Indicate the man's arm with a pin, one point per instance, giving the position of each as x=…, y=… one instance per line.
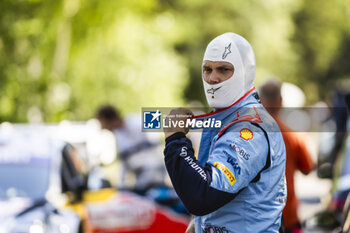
x=191, y=181
x=228, y=170
x=304, y=161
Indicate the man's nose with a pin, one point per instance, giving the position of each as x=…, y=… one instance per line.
x=214, y=77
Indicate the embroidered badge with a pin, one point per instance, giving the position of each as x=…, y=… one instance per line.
x=227, y=51
x=246, y=134
x=212, y=90
x=231, y=178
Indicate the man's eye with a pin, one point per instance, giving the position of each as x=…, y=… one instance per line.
x=206, y=70
x=227, y=70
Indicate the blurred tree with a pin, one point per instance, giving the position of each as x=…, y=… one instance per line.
x=322, y=40
x=62, y=59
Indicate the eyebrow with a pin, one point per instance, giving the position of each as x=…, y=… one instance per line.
x=225, y=66
x=218, y=67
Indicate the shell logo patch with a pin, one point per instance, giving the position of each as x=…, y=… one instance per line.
x=246, y=134
x=231, y=178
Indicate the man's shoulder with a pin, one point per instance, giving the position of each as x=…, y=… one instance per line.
x=255, y=114
x=244, y=133
x=239, y=126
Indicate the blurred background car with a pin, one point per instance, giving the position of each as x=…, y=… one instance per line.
x=334, y=164
x=34, y=171
x=47, y=185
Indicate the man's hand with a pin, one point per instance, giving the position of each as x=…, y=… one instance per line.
x=176, y=121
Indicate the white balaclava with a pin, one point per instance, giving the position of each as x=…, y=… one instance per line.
x=232, y=48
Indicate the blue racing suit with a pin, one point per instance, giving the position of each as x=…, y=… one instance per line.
x=238, y=182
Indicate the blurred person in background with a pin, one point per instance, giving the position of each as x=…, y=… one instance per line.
x=298, y=157
x=339, y=116
x=139, y=154
x=336, y=165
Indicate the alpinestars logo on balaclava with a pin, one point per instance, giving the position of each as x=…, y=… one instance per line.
x=212, y=91
x=232, y=48
x=227, y=51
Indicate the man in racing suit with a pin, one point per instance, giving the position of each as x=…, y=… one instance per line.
x=238, y=183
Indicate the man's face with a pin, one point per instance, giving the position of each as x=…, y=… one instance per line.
x=217, y=71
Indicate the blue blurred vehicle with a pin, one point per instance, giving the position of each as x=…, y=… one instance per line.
x=336, y=218
x=34, y=172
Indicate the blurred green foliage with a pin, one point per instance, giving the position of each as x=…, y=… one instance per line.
x=62, y=59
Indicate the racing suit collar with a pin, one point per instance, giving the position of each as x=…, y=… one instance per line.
x=236, y=104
